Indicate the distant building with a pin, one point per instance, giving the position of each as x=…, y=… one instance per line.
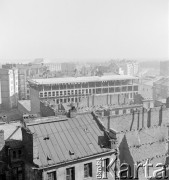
x=9, y=88
x=130, y=68
x=74, y=89
x=161, y=88
x=68, y=68
x=25, y=72
x=53, y=67
x=164, y=68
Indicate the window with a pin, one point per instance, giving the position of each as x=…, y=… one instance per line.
x=68, y=92
x=86, y=91
x=41, y=94
x=72, y=92
x=49, y=94
x=53, y=93
x=75, y=92
x=45, y=94
x=19, y=153
x=105, y=165
x=60, y=93
x=65, y=93
x=88, y=170
x=70, y=173
x=51, y=176
x=17, y=173
x=57, y=93
x=14, y=154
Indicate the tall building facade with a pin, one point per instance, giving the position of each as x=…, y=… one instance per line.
x=25, y=72
x=73, y=89
x=9, y=88
x=130, y=68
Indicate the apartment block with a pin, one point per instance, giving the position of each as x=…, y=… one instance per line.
x=9, y=88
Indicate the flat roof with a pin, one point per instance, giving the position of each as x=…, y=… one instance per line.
x=81, y=79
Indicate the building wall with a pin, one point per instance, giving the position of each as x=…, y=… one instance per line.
x=79, y=170
x=35, y=101
x=146, y=90
x=164, y=68
x=86, y=94
x=46, y=110
x=9, y=87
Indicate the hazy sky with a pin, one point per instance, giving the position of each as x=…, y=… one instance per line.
x=83, y=29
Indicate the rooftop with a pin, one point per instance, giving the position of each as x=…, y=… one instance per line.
x=11, y=131
x=150, y=143
x=26, y=104
x=81, y=79
x=61, y=141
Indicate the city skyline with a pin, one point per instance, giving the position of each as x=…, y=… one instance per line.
x=83, y=30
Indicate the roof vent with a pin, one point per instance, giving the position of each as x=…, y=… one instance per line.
x=86, y=130
x=71, y=152
x=102, y=145
x=48, y=158
x=46, y=138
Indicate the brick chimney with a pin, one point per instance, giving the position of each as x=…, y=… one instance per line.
x=72, y=112
x=2, y=139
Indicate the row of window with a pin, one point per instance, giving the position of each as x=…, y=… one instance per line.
x=78, y=99
x=86, y=91
x=70, y=172
x=86, y=85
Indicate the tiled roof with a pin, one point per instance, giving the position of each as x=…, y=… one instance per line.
x=68, y=139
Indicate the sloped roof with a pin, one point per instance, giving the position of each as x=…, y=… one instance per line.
x=11, y=131
x=148, y=143
x=80, y=135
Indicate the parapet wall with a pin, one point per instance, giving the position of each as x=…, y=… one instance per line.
x=138, y=119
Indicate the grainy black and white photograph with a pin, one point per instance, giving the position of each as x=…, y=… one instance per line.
x=84, y=89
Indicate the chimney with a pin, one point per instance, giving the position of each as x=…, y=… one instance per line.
x=149, y=118
x=143, y=117
x=72, y=112
x=24, y=120
x=160, y=116
x=168, y=138
x=108, y=123
x=167, y=102
x=2, y=139
x=138, y=120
